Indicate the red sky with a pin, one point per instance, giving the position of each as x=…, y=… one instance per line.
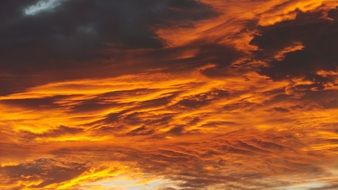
x=168, y=95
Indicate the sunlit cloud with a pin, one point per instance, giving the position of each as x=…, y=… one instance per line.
x=169, y=95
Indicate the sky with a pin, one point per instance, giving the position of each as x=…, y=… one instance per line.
x=169, y=95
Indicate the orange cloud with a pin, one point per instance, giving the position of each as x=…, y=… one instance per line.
x=198, y=112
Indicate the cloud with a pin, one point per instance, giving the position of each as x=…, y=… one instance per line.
x=208, y=161
x=53, y=133
x=80, y=35
x=34, y=103
x=42, y=171
x=202, y=99
x=167, y=93
x=42, y=6
x=317, y=34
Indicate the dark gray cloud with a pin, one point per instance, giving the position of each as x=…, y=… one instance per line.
x=78, y=35
x=316, y=33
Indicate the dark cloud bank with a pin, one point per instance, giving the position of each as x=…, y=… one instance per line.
x=317, y=33
x=76, y=39
x=80, y=34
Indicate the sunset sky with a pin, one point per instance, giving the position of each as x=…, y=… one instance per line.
x=169, y=95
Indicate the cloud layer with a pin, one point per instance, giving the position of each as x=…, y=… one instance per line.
x=168, y=95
